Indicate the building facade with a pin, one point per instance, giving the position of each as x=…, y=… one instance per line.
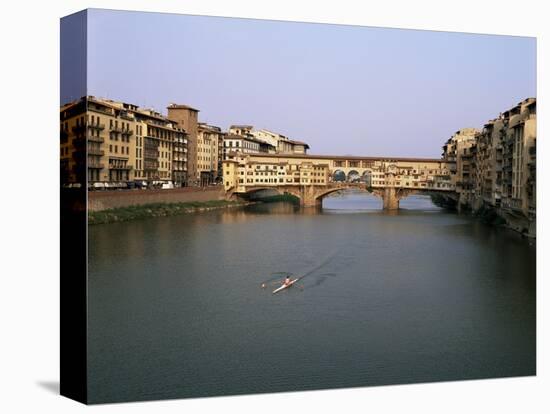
x=457, y=151
x=187, y=118
x=266, y=141
x=209, y=142
x=497, y=169
x=280, y=143
x=114, y=143
x=243, y=172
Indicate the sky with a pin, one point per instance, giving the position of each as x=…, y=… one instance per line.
x=345, y=90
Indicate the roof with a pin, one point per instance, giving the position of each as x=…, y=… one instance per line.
x=241, y=126
x=247, y=137
x=181, y=106
x=292, y=141
x=346, y=157
x=207, y=127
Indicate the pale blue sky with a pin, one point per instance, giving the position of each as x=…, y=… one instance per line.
x=343, y=89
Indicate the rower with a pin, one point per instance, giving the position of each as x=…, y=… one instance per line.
x=287, y=281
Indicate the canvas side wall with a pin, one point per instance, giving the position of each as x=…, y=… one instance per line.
x=73, y=220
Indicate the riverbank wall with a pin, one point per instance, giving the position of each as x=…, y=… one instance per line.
x=107, y=200
x=139, y=212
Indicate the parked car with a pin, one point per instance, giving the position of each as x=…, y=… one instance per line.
x=167, y=185
x=98, y=186
x=72, y=185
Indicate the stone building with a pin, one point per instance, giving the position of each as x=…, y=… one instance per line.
x=112, y=143
x=187, y=118
x=246, y=144
x=241, y=173
x=502, y=164
x=457, y=151
x=281, y=144
x=267, y=141
x=209, y=138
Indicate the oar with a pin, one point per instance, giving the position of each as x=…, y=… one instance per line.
x=264, y=285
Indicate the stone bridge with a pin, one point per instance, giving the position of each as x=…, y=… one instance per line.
x=312, y=196
x=311, y=178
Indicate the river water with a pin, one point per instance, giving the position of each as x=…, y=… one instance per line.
x=177, y=309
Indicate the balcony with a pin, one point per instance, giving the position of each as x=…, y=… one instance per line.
x=115, y=129
x=93, y=151
x=78, y=129
x=120, y=167
x=151, y=154
x=101, y=127
x=126, y=116
x=95, y=165
x=96, y=139
x=151, y=165
x=101, y=110
x=127, y=132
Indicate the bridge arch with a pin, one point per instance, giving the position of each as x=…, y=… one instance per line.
x=366, y=177
x=353, y=176
x=321, y=194
x=251, y=192
x=338, y=176
x=311, y=195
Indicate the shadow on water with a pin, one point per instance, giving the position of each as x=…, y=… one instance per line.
x=309, y=272
x=320, y=279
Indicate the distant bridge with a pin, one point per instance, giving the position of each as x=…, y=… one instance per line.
x=311, y=178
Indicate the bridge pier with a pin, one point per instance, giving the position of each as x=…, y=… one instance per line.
x=390, y=199
x=309, y=197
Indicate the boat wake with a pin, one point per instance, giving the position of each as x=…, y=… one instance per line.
x=321, y=264
x=276, y=277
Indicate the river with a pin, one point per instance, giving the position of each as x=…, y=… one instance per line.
x=177, y=309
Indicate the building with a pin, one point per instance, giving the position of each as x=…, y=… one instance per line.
x=241, y=171
x=209, y=142
x=73, y=144
x=282, y=144
x=244, y=130
x=457, y=151
x=270, y=142
x=246, y=144
x=157, y=149
x=244, y=171
x=519, y=158
x=187, y=118
x=497, y=169
x=113, y=143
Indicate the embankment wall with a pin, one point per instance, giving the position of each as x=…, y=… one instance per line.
x=103, y=200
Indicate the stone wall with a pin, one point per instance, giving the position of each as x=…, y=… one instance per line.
x=103, y=200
